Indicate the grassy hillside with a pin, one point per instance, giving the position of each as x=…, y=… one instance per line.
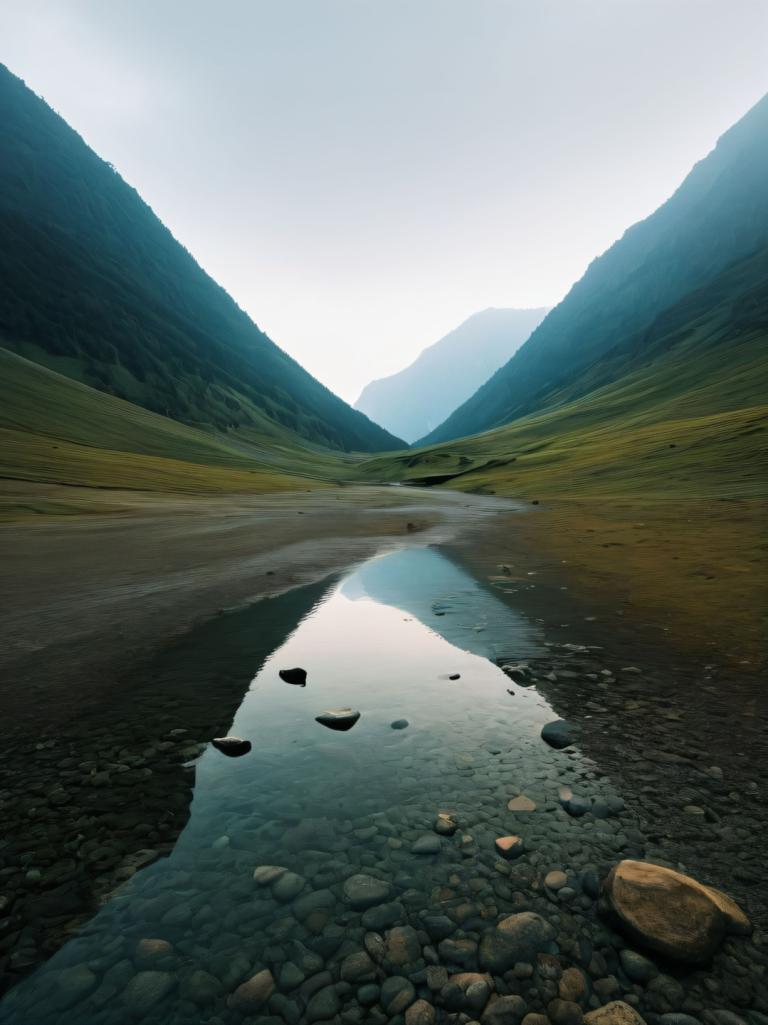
x=93, y=285
x=55, y=430
x=718, y=215
x=689, y=418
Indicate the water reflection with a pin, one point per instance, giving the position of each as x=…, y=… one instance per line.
x=324, y=804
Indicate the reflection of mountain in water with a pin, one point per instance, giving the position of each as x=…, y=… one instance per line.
x=444, y=597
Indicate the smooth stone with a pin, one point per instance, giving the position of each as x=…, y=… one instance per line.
x=149, y=952
x=420, y=1013
x=368, y=995
x=564, y=1012
x=297, y=676
x=233, y=747
x=266, y=874
x=72, y=985
x=358, y=967
x=287, y=886
x=669, y=912
x=521, y=803
x=383, y=916
x=504, y=1010
x=444, y=824
x=363, y=891
x=426, y=844
x=317, y=900
x=200, y=987
x=557, y=734
x=251, y=995
x=572, y=987
x=341, y=719
x=146, y=989
x=290, y=977
x=516, y=938
x=555, y=880
x=399, y=724
x=402, y=945
x=509, y=846
x=636, y=967
x=323, y=1005
x=397, y=993
x=615, y=1013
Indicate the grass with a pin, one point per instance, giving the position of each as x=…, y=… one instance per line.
x=54, y=430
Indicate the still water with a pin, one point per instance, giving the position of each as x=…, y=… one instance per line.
x=327, y=805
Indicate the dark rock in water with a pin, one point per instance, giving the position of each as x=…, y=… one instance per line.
x=516, y=938
x=364, y=891
x=399, y=724
x=232, y=746
x=558, y=734
x=426, y=844
x=338, y=718
x=297, y=676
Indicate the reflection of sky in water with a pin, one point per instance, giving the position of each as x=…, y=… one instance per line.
x=375, y=644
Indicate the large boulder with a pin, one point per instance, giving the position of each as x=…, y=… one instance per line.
x=516, y=938
x=671, y=913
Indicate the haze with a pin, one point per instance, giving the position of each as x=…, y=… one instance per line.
x=363, y=176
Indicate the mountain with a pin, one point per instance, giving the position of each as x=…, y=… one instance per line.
x=95, y=287
x=414, y=401
x=718, y=216
x=682, y=415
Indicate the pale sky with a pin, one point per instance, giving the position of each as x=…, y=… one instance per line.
x=362, y=175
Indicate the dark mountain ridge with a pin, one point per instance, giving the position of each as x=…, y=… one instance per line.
x=717, y=216
x=93, y=285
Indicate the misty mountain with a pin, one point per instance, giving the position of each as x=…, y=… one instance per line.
x=95, y=287
x=718, y=216
x=415, y=400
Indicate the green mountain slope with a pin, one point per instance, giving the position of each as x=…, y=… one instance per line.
x=93, y=285
x=418, y=398
x=718, y=215
x=54, y=430
x=680, y=413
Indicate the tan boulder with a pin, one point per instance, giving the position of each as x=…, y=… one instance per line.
x=615, y=1013
x=251, y=995
x=670, y=912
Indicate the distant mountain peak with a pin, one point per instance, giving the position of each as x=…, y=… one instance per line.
x=413, y=401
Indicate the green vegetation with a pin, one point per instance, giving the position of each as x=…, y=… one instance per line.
x=689, y=418
x=717, y=217
x=94, y=286
x=55, y=430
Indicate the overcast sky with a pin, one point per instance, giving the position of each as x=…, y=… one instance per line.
x=362, y=175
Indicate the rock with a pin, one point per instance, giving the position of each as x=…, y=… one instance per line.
x=521, y=803
x=564, y=1012
x=358, y=967
x=323, y=1005
x=467, y=991
x=148, y=953
x=667, y=911
x=290, y=977
x=363, y=891
x=341, y=719
x=368, y=995
x=71, y=986
x=615, y=1013
x=461, y=951
x=382, y=917
x=297, y=676
x=420, y=1013
x=402, y=945
x=437, y=977
x=572, y=987
x=251, y=995
x=535, y=1019
x=557, y=734
x=504, y=1010
x=145, y=990
x=736, y=921
x=399, y=724
x=263, y=875
x=287, y=886
x=232, y=746
x=445, y=825
x=516, y=938
x=555, y=880
x=200, y=987
x=455, y=676
x=397, y=993
x=426, y=844
x=636, y=967
x=317, y=900
x=509, y=846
